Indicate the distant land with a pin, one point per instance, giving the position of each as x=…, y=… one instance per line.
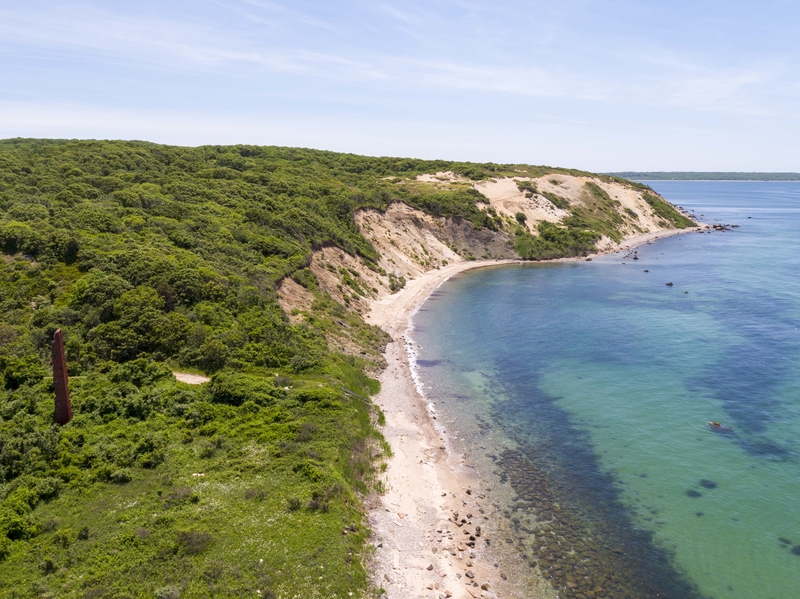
x=701, y=176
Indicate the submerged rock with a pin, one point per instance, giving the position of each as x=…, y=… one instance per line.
x=708, y=484
x=693, y=493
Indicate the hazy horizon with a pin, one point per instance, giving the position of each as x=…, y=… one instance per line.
x=601, y=87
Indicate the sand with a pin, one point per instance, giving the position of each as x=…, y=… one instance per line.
x=419, y=548
x=426, y=484
x=191, y=379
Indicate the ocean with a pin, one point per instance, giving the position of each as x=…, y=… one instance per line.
x=581, y=394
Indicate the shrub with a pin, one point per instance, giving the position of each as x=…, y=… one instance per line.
x=256, y=494
x=168, y=592
x=120, y=476
x=5, y=547
x=193, y=542
x=64, y=537
x=234, y=389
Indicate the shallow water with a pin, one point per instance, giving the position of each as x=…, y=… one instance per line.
x=582, y=391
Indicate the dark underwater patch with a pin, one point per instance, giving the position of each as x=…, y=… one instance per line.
x=429, y=363
x=590, y=539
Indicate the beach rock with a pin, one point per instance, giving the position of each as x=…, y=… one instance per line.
x=469, y=574
x=429, y=568
x=485, y=586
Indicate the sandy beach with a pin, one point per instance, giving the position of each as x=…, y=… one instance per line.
x=433, y=498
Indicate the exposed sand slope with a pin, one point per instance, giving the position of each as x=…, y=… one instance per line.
x=292, y=297
x=411, y=242
x=443, y=178
x=505, y=196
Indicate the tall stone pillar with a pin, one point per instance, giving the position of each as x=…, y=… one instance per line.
x=63, y=411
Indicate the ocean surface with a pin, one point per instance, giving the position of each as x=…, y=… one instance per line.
x=581, y=394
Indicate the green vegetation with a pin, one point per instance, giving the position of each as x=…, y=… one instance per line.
x=709, y=176
x=667, y=212
x=527, y=187
x=557, y=200
x=554, y=241
x=153, y=258
x=598, y=213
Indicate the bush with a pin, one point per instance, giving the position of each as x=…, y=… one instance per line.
x=64, y=537
x=193, y=542
x=120, y=477
x=234, y=389
x=5, y=547
x=168, y=592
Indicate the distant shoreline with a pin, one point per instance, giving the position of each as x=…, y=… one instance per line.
x=756, y=177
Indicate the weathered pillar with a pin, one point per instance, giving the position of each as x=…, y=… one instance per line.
x=63, y=411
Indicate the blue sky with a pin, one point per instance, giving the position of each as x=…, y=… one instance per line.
x=614, y=85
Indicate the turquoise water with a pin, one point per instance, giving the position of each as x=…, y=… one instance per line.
x=584, y=391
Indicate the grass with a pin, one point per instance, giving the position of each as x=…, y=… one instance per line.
x=215, y=517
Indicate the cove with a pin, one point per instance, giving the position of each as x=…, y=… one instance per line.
x=581, y=392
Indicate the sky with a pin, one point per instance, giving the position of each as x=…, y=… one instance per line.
x=602, y=86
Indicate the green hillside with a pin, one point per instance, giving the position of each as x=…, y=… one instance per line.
x=153, y=259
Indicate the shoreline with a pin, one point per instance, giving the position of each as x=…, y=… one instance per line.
x=418, y=549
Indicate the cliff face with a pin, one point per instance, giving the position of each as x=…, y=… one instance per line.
x=410, y=241
x=628, y=208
